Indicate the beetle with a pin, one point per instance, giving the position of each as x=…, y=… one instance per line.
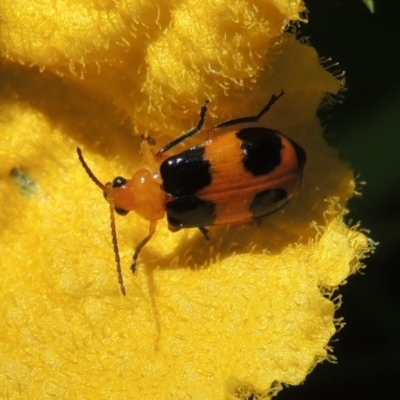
x=238, y=176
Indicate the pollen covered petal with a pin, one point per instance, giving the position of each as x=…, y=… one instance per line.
x=234, y=317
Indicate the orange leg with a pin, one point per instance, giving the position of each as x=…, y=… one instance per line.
x=149, y=156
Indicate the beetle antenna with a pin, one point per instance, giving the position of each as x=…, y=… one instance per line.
x=112, y=218
x=88, y=170
x=116, y=251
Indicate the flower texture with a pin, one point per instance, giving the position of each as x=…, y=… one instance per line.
x=228, y=318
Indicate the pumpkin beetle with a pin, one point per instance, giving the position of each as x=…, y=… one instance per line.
x=238, y=176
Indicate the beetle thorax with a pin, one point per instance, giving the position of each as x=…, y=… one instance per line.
x=142, y=194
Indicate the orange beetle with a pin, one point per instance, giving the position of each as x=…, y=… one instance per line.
x=236, y=177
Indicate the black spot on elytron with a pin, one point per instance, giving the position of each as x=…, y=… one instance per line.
x=261, y=149
x=118, y=181
x=301, y=155
x=186, y=173
x=267, y=202
x=190, y=212
x=120, y=211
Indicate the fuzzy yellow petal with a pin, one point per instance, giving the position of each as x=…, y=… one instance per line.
x=204, y=320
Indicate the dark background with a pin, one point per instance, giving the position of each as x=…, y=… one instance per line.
x=366, y=130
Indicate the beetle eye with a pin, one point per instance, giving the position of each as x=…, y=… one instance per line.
x=118, y=181
x=120, y=211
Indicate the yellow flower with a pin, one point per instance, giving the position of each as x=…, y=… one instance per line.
x=204, y=320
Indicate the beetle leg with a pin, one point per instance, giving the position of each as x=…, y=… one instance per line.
x=192, y=132
x=253, y=118
x=204, y=231
x=139, y=247
x=148, y=155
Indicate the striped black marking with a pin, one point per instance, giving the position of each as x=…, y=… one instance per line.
x=268, y=201
x=261, y=149
x=190, y=212
x=186, y=173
